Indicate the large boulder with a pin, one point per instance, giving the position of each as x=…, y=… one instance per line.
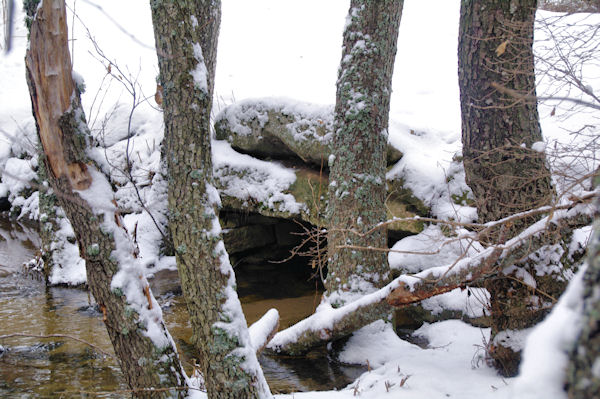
x=270, y=189
x=279, y=128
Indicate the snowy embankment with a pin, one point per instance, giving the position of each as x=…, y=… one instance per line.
x=266, y=50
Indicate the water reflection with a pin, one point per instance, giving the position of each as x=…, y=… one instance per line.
x=42, y=368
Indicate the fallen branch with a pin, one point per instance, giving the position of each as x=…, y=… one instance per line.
x=328, y=324
x=435, y=281
x=263, y=330
x=482, y=228
x=533, y=98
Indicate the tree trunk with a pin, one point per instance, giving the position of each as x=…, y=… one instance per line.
x=133, y=319
x=583, y=372
x=357, y=187
x=506, y=175
x=495, y=46
x=186, y=33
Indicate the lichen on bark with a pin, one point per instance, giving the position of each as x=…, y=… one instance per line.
x=357, y=185
x=183, y=30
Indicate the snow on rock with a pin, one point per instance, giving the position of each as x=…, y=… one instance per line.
x=513, y=339
x=306, y=117
x=18, y=174
x=278, y=128
x=428, y=170
x=250, y=179
x=281, y=127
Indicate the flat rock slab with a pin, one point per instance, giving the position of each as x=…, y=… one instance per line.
x=280, y=128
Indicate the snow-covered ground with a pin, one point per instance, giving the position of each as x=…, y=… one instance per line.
x=291, y=48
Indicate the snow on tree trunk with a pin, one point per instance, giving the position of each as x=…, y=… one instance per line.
x=498, y=131
x=583, y=372
x=357, y=180
x=186, y=33
x=133, y=319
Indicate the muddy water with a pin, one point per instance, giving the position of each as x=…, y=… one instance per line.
x=32, y=367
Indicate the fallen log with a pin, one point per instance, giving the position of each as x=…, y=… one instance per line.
x=433, y=281
x=263, y=330
x=328, y=324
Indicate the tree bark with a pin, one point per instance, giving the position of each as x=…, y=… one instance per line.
x=583, y=371
x=186, y=33
x=498, y=130
x=357, y=180
x=133, y=319
x=495, y=46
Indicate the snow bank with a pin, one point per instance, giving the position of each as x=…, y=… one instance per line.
x=542, y=373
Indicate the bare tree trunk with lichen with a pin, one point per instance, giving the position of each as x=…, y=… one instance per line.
x=133, y=319
x=186, y=33
x=505, y=173
x=357, y=187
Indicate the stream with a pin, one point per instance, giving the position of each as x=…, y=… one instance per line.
x=33, y=367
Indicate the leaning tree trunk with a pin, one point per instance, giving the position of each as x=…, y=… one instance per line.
x=133, y=319
x=505, y=173
x=357, y=186
x=186, y=34
x=583, y=372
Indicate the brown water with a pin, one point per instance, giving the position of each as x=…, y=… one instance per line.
x=60, y=367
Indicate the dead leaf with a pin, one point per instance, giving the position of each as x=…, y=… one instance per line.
x=553, y=111
x=158, y=96
x=501, y=48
